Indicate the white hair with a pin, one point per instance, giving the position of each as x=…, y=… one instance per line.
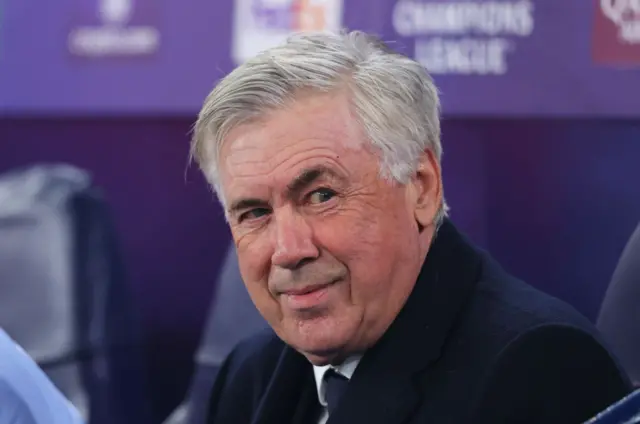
x=393, y=96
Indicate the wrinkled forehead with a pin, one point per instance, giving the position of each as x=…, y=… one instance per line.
x=272, y=151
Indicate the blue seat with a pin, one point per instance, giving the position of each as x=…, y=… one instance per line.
x=64, y=297
x=619, y=317
x=232, y=317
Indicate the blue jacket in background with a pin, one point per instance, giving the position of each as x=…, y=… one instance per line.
x=27, y=396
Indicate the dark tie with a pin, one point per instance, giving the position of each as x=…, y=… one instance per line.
x=336, y=385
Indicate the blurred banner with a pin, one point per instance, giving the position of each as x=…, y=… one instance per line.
x=498, y=57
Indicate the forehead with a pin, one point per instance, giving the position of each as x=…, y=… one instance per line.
x=316, y=130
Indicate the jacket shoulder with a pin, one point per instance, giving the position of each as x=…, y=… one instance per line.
x=558, y=373
x=510, y=307
x=538, y=347
x=243, y=378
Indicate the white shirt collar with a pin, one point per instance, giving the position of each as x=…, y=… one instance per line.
x=347, y=368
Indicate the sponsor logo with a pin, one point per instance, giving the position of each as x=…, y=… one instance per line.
x=261, y=24
x=464, y=37
x=122, y=29
x=616, y=32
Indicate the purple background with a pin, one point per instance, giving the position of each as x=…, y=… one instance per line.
x=551, y=73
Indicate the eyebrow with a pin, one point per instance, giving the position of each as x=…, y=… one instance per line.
x=307, y=177
x=301, y=182
x=244, y=204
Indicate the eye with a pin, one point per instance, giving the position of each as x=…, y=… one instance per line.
x=253, y=214
x=321, y=195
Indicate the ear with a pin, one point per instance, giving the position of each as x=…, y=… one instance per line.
x=427, y=190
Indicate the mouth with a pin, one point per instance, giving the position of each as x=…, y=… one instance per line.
x=307, y=297
x=306, y=290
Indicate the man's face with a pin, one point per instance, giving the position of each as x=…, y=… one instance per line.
x=328, y=250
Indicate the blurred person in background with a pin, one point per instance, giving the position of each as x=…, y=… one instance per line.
x=27, y=396
x=326, y=155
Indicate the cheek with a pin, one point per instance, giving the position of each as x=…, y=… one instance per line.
x=254, y=260
x=256, y=282
x=373, y=248
x=367, y=249
x=254, y=255
x=363, y=236
x=261, y=298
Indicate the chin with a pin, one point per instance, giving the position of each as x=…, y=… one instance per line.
x=324, y=354
x=320, y=340
x=322, y=360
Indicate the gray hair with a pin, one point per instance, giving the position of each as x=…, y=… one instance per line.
x=393, y=96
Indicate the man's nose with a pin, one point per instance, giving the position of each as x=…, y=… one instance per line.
x=293, y=239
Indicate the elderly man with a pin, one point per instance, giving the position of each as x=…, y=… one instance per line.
x=325, y=153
